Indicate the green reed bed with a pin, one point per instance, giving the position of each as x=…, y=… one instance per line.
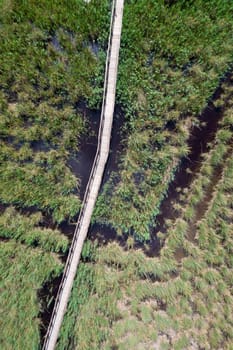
x=28, y=259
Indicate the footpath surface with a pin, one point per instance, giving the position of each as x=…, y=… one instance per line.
x=95, y=179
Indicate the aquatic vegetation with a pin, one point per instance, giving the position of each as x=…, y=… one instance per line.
x=173, y=57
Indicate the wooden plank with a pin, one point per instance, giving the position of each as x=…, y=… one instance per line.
x=95, y=179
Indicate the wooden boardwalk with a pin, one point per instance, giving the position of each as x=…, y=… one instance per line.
x=95, y=179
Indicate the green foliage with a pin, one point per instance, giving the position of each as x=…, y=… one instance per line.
x=121, y=299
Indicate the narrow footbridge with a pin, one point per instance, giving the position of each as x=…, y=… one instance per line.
x=95, y=179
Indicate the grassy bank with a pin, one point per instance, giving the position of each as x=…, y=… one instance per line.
x=172, y=58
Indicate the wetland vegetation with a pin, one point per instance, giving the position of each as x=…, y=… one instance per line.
x=175, y=61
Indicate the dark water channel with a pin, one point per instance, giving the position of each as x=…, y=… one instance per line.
x=199, y=143
x=81, y=162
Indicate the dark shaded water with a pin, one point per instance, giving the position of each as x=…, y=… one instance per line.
x=116, y=145
x=81, y=162
x=56, y=44
x=47, y=297
x=94, y=47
